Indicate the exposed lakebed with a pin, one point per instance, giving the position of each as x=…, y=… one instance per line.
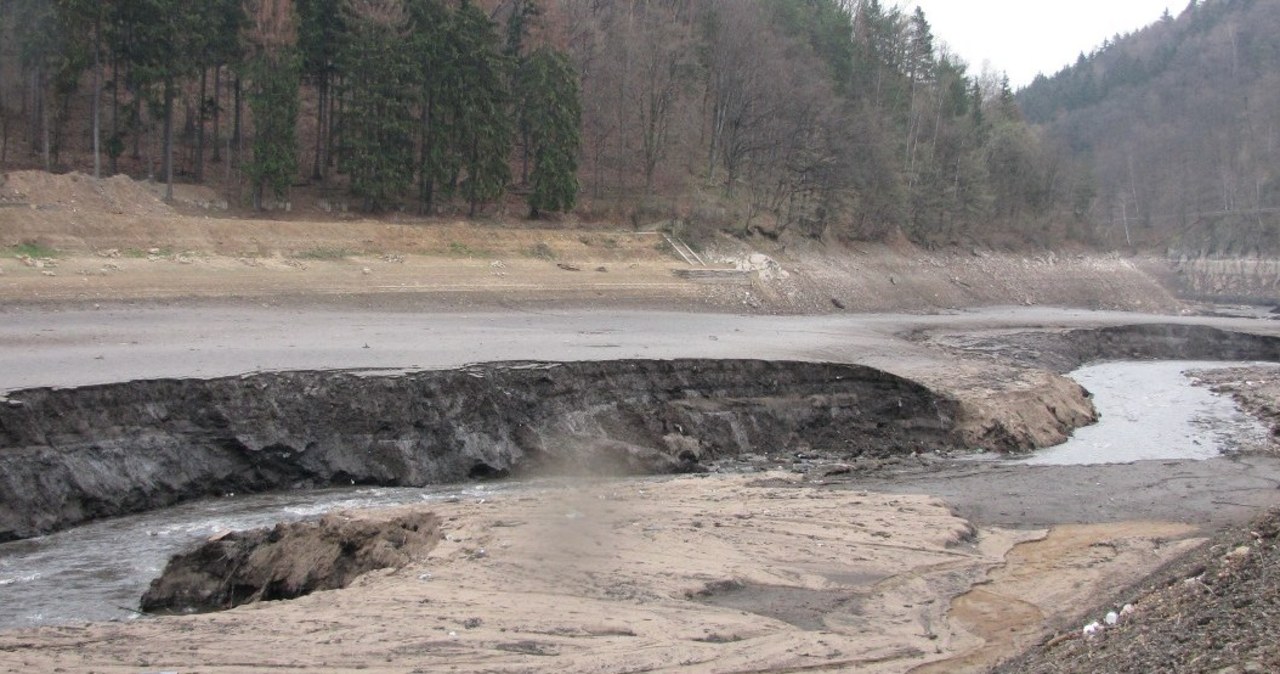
x=1149, y=410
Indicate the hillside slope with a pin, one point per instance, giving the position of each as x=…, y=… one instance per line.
x=1181, y=124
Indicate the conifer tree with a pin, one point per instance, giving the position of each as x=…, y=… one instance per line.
x=481, y=107
x=432, y=28
x=162, y=36
x=274, y=71
x=320, y=33
x=550, y=101
x=379, y=87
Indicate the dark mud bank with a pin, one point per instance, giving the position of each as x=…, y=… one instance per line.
x=288, y=561
x=1068, y=350
x=71, y=455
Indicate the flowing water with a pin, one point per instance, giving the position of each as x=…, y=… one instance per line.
x=99, y=571
x=1153, y=411
x=1150, y=410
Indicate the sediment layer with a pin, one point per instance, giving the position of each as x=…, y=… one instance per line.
x=71, y=455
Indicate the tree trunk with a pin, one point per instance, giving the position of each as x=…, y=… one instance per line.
x=33, y=112
x=318, y=170
x=115, y=113
x=236, y=132
x=168, y=138
x=44, y=126
x=524, y=155
x=217, y=114
x=97, y=95
x=204, y=79
x=472, y=195
x=334, y=127
x=426, y=186
x=135, y=120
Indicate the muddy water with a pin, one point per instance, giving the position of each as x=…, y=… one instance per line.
x=99, y=571
x=1153, y=411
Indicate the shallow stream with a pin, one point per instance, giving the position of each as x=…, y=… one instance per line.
x=99, y=571
x=1150, y=410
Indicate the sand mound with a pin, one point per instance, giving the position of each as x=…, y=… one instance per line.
x=79, y=192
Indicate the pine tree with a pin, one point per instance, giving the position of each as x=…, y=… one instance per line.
x=378, y=122
x=274, y=72
x=160, y=45
x=519, y=25
x=481, y=107
x=51, y=62
x=432, y=27
x=84, y=18
x=320, y=35
x=217, y=44
x=548, y=87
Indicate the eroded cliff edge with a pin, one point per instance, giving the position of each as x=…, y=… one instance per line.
x=71, y=455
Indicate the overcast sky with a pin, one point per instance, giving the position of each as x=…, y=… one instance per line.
x=1026, y=37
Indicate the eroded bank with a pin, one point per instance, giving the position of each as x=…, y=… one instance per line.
x=71, y=455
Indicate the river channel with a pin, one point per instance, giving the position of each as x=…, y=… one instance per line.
x=1149, y=411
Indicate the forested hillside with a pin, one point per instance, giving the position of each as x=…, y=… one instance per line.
x=817, y=118
x=1180, y=123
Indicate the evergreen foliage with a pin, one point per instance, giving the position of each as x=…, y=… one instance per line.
x=273, y=99
x=481, y=113
x=440, y=80
x=320, y=35
x=550, y=101
x=378, y=120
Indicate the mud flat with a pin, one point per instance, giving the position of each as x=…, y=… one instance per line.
x=919, y=563
x=697, y=571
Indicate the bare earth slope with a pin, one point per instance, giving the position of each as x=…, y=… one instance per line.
x=116, y=240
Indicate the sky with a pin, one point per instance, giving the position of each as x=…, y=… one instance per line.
x=1027, y=37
